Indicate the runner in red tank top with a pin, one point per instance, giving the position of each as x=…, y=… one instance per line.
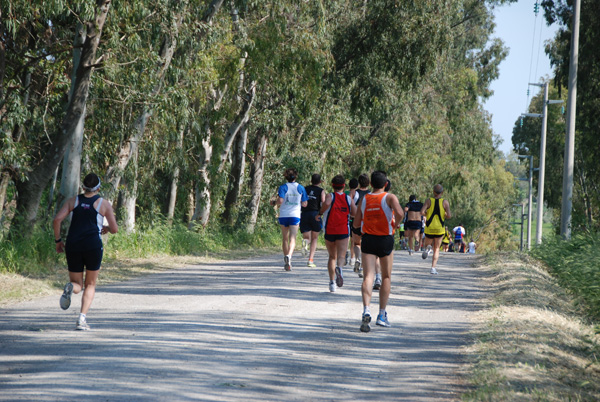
x=375, y=216
x=336, y=212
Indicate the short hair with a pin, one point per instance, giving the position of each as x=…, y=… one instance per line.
x=290, y=174
x=363, y=180
x=338, y=182
x=353, y=183
x=315, y=179
x=412, y=198
x=438, y=189
x=378, y=179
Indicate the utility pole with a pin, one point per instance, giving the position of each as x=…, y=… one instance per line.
x=567, y=193
x=530, y=201
x=542, y=166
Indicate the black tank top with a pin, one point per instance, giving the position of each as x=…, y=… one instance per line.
x=86, y=223
x=361, y=194
x=314, y=198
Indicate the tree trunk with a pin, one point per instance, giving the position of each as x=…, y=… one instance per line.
x=115, y=172
x=240, y=121
x=129, y=197
x=202, y=209
x=4, y=181
x=191, y=205
x=30, y=191
x=238, y=166
x=71, y=172
x=257, y=172
x=174, y=181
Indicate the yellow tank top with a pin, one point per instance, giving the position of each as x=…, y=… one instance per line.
x=436, y=215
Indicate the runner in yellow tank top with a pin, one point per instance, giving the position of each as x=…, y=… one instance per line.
x=437, y=211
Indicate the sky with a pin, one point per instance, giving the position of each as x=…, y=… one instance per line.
x=515, y=24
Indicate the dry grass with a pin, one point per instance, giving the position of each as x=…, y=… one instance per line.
x=531, y=343
x=16, y=288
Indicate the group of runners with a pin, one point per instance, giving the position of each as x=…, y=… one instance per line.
x=366, y=216
x=368, y=219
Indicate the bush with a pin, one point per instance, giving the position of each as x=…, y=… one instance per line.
x=576, y=265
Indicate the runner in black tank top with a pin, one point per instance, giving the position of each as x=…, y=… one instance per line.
x=84, y=244
x=310, y=225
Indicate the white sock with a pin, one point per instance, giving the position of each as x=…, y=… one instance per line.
x=366, y=310
x=382, y=312
x=81, y=317
x=377, y=276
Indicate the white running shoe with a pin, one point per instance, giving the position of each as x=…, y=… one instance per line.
x=433, y=271
x=304, y=247
x=426, y=252
x=332, y=286
x=287, y=265
x=65, y=299
x=82, y=325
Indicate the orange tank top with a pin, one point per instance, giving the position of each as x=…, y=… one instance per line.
x=377, y=216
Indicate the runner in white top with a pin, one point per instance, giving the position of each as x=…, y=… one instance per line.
x=291, y=197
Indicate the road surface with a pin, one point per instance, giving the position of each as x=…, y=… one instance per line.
x=246, y=330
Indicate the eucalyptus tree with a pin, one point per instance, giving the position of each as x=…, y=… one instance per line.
x=43, y=45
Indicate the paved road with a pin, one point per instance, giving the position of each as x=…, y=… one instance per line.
x=246, y=331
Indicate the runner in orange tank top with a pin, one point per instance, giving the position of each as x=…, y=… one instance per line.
x=336, y=212
x=375, y=216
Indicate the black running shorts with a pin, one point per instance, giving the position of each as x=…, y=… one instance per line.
x=381, y=246
x=91, y=260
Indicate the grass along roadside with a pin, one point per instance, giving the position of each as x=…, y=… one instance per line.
x=531, y=343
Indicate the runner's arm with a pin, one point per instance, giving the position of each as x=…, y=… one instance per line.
x=326, y=204
x=56, y=223
x=426, y=206
x=395, y=205
x=107, y=211
x=446, y=206
x=357, y=218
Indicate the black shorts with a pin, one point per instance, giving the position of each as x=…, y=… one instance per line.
x=334, y=237
x=91, y=260
x=413, y=225
x=381, y=246
x=308, y=223
x=433, y=236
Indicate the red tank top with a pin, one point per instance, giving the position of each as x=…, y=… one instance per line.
x=336, y=218
x=377, y=216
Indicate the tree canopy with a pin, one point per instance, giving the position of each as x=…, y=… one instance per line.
x=205, y=103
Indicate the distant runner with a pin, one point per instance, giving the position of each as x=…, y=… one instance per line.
x=413, y=224
x=309, y=226
x=459, y=235
x=472, y=247
x=436, y=210
x=363, y=183
x=84, y=248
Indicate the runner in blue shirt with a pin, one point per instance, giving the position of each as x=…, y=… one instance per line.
x=291, y=197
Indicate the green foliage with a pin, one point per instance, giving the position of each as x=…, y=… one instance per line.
x=575, y=264
x=36, y=255
x=341, y=87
